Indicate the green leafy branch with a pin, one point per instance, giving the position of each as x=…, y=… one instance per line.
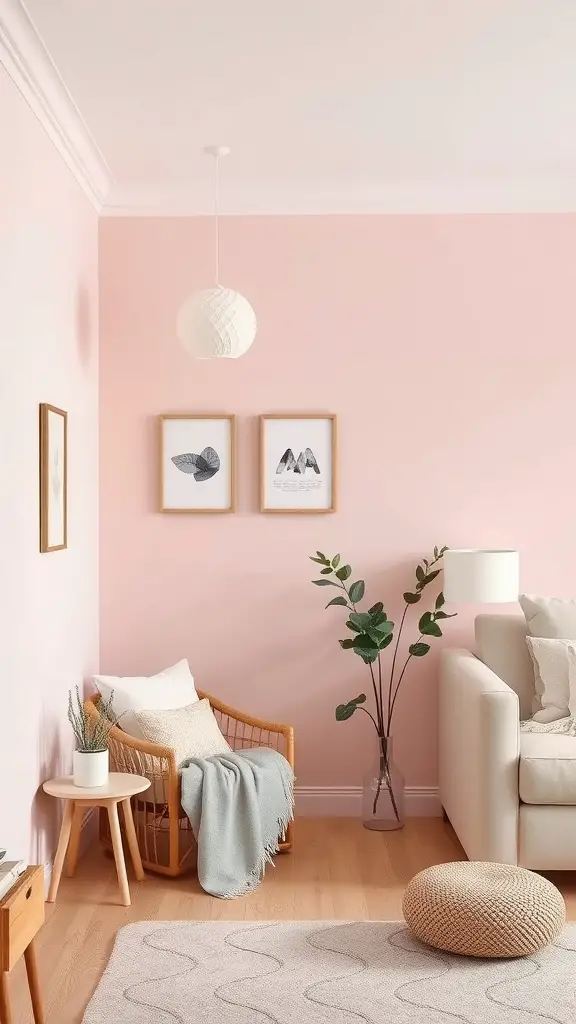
x=372, y=631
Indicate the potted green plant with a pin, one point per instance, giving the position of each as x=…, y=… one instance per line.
x=371, y=633
x=91, y=760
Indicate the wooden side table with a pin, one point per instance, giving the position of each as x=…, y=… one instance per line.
x=21, y=917
x=120, y=787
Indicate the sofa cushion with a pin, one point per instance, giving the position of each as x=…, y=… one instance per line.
x=555, y=664
x=547, y=768
x=551, y=617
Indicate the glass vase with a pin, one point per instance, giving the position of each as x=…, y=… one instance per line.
x=383, y=791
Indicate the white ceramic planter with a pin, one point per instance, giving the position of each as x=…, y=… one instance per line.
x=90, y=768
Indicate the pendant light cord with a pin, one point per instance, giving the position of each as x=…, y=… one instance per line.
x=216, y=224
x=216, y=152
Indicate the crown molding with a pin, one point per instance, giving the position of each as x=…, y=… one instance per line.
x=29, y=65
x=499, y=195
x=25, y=58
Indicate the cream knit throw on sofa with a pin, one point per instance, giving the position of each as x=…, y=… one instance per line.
x=564, y=726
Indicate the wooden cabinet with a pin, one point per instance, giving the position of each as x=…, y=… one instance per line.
x=21, y=917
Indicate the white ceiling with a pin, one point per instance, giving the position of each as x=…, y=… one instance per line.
x=328, y=105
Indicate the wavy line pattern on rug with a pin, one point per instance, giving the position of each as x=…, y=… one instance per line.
x=238, y=981
x=511, y=1006
x=430, y=955
x=147, y=941
x=344, y=977
x=322, y=972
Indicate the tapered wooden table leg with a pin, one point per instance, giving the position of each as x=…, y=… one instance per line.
x=33, y=983
x=61, y=851
x=118, y=853
x=132, y=840
x=74, y=843
x=5, y=1012
x=118, y=789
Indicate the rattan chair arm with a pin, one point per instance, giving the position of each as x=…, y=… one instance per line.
x=154, y=750
x=242, y=716
x=143, y=746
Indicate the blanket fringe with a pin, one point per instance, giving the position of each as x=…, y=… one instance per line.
x=268, y=853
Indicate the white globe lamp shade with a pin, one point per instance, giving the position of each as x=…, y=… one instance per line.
x=477, y=576
x=216, y=323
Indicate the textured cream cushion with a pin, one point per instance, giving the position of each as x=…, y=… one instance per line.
x=550, y=617
x=172, y=688
x=501, y=645
x=476, y=908
x=555, y=664
x=547, y=768
x=190, y=732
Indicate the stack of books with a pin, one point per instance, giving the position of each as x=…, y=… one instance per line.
x=10, y=871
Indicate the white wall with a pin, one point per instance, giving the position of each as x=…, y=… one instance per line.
x=48, y=353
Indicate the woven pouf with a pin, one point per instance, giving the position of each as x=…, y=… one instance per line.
x=477, y=908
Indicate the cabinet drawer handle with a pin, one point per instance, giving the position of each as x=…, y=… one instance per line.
x=29, y=893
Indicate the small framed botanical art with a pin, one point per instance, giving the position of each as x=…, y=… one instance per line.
x=53, y=478
x=298, y=462
x=197, y=462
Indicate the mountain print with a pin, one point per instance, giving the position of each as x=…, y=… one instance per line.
x=306, y=460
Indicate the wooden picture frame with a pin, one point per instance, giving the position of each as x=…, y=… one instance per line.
x=53, y=478
x=281, y=493
x=188, y=460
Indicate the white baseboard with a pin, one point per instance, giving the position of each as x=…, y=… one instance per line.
x=345, y=801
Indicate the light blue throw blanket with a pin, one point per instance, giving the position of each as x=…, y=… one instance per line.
x=239, y=805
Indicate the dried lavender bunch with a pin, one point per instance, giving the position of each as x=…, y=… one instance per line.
x=91, y=735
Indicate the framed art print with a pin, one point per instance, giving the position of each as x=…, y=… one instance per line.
x=53, y=478
x=197, y=463
x=298, y=462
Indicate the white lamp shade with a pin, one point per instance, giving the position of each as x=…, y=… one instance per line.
x=216, y=323
x=477, y=576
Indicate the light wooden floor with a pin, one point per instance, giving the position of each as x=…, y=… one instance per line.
x=337, y=870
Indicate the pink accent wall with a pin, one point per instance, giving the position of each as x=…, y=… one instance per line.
x=48, y=353
x=445, y=344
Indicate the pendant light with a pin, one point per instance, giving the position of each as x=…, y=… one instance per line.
x=216, y=323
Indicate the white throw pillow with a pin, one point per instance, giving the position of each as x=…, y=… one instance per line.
x=555, y=663
x=172, y=688
x=552, y=618
x=190, y=732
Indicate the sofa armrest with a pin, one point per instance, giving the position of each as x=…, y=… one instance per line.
x=479, y=748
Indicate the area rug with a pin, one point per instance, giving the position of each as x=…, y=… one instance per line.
x=308, y=972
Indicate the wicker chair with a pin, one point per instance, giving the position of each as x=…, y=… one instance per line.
x=165, y=837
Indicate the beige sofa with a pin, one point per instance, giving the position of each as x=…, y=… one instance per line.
x=510, y=796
